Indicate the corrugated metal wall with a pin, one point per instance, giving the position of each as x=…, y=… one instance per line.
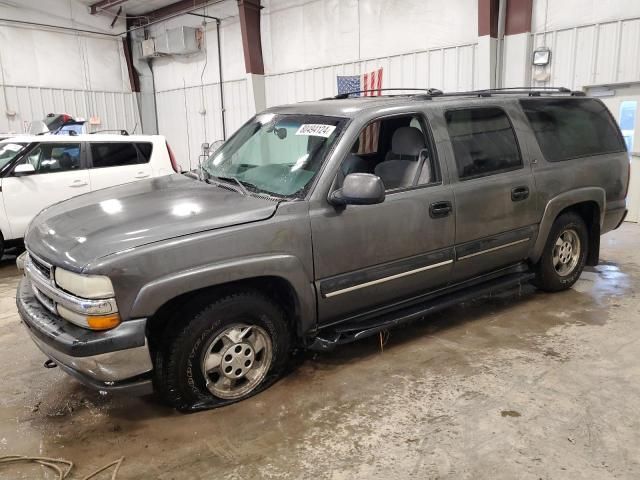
x=449, y=68
x=189, y=116
x=117, y=110
x=595, y=54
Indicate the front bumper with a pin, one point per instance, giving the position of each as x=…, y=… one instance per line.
x=114, y=360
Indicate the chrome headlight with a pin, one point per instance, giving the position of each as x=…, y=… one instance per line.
x=98, y=310
x=84, y=286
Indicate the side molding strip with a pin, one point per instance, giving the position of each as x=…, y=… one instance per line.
x=495, y=248
x=387, y=279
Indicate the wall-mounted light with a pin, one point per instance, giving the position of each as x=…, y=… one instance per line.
x=541, y=57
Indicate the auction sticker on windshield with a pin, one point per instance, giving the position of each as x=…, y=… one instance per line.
x=316, y=130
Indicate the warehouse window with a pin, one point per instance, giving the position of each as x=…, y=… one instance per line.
x=572, y=128
x=483, y=141
x=117, y=154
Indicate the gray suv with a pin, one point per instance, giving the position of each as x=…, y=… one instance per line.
x=315, y=225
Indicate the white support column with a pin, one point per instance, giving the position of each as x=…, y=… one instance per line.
x=487, y=48
x=256, y=91
x=517, y=53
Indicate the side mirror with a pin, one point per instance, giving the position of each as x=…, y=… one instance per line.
x=23, y=169
x=359, y=189
x=215, y=146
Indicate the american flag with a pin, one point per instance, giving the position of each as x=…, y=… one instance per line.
x=372, y=84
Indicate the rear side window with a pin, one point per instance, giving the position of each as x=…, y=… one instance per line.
x=572, y=128
x=144, y=149
x=117, y=154
x=483, y=141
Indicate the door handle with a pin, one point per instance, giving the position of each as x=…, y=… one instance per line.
x=440, y=209
x=519, y=193
x=141, y=175
x=78, y=183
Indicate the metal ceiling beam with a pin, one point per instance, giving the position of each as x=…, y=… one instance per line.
x=182, y=6
x=251, y=38
x=103, y=4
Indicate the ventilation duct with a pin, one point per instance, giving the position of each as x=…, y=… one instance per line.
x=174, y=41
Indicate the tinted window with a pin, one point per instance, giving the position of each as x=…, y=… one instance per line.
x=571, y=128
x=483, y=142
x=54, y=157
x=116, y=154
x=145, y=151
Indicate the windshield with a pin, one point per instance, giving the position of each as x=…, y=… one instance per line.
x=276, y=154
x=9, y=151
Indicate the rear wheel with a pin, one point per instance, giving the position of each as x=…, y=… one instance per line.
x=564, y=255
x=223, y=352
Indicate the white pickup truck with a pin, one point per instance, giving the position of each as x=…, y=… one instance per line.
x=38, y=171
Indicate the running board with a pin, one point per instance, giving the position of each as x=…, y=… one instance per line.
x=351, y=331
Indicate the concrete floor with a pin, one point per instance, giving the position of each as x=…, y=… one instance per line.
x=523, y=385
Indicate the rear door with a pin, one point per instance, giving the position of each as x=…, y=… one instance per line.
x=495, y=201
x=117, y=162
x=60, y=174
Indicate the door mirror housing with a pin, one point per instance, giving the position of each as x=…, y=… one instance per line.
x=215, y=146
x=24, y=169
x=359, y=189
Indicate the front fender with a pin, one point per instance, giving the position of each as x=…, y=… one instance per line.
x=159, y=291
x=558, y=204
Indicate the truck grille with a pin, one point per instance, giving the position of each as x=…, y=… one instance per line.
x=43, y=268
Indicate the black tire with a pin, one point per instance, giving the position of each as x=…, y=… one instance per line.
x=178, y=369
x=548, y=277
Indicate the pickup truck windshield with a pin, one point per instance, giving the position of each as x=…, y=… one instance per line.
x=276, y=154
x=9, y=151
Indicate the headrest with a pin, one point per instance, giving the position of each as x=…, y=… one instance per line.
x=407, y=141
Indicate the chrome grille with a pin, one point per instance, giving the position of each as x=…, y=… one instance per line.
x=42, y=267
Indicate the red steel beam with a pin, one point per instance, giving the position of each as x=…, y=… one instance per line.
x=519, y=13
x=488, y=18
x=251, y=42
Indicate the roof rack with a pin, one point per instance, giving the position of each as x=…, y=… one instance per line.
x=120, y=131
x=531, y=91
x=430, y=93
x=342, y=96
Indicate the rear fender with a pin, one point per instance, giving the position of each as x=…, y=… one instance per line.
x=559, y=203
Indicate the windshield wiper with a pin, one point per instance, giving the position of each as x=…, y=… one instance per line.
x=237, y=182
x=227, y=180
x=243, y=185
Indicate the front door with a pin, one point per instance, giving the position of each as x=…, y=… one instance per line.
x=59, y=175
x=370, y=255
x=495, y=204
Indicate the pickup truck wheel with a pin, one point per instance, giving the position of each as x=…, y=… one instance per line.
x=564, y=255
x=226, y=351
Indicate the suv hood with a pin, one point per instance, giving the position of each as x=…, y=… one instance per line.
x=77, y=231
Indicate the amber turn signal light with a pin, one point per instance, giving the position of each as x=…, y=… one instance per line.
x=103, y=322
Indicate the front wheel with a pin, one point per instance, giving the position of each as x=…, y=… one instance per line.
x=225, y=352
x=564, y=255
